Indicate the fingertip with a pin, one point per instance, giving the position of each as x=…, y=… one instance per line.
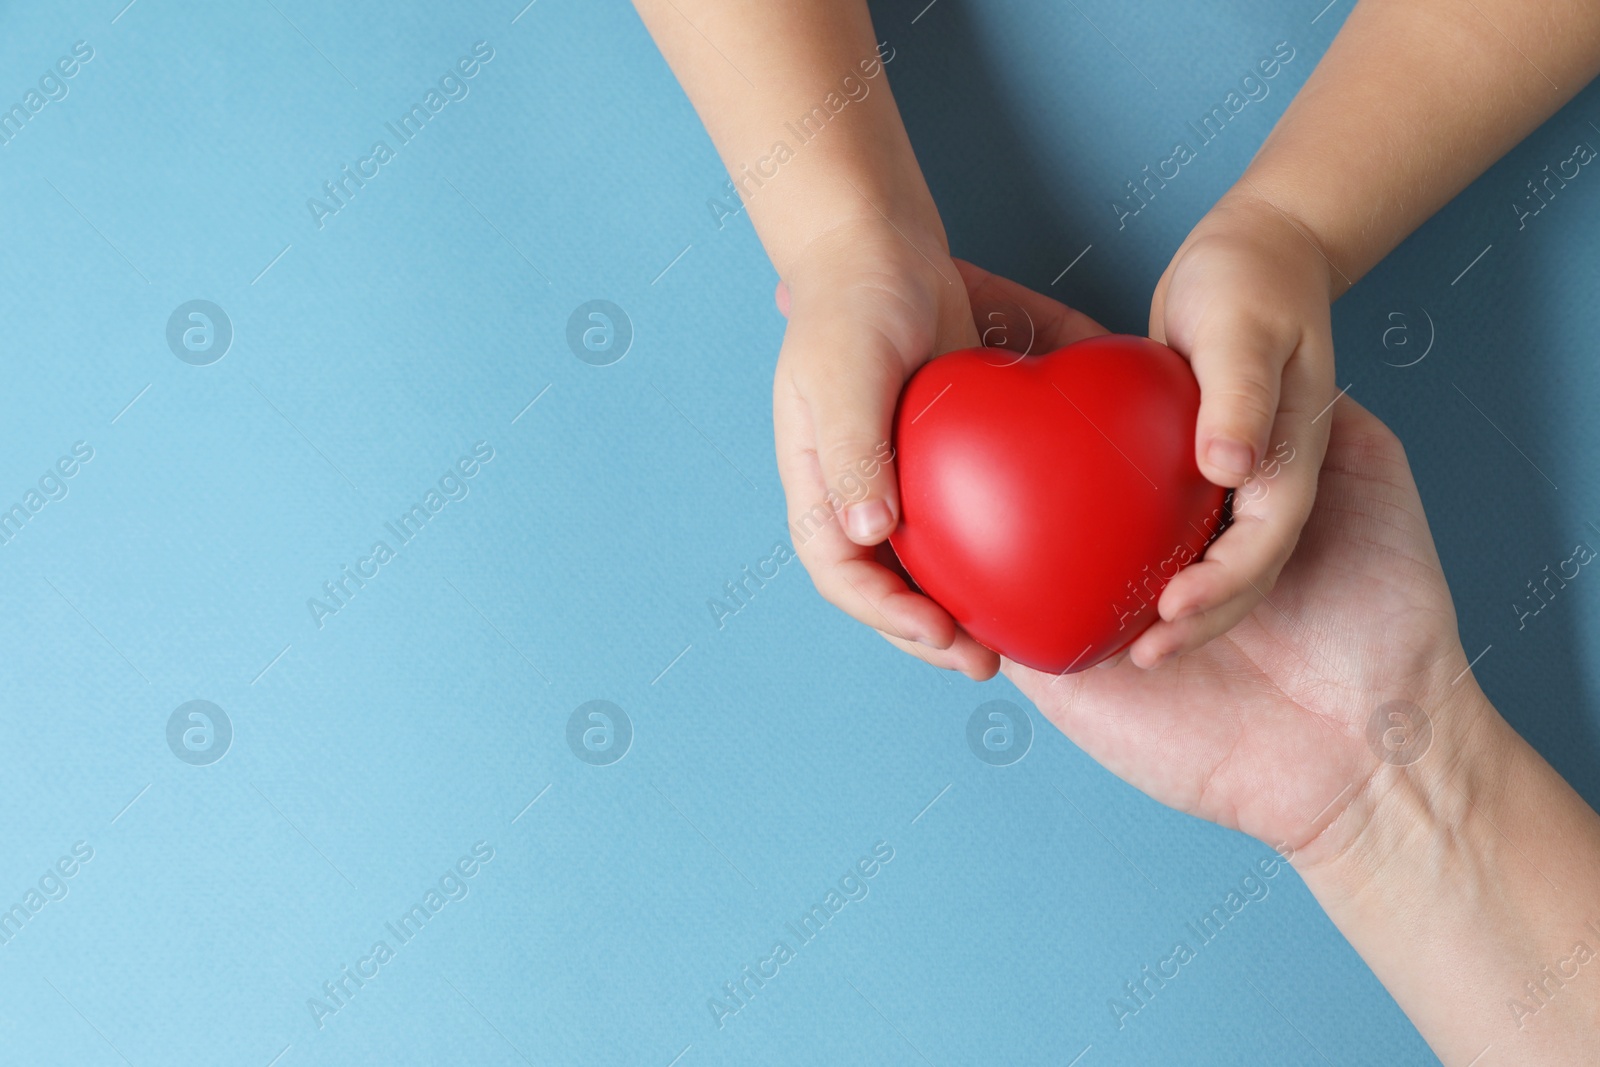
x=975, y=660
x=986, y=667
x=1179, y=601
x=1150, y=651
x=922, y=621
x=1226, y=461
x=780, y=296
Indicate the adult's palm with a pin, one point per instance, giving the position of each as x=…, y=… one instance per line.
x=1265, y=729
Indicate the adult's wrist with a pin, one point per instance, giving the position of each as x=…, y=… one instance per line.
x=1465, y=880
x=1426, y=814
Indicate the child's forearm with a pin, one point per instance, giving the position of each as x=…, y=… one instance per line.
x=797, y=101
x=1413, y=100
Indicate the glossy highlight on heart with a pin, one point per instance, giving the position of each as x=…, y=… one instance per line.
x=1047, y=500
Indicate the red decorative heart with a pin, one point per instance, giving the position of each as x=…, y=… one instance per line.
x=1046, y=501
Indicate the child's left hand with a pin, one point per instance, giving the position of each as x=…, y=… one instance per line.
x=1246, y=301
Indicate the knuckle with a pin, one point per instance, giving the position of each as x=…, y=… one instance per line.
x=842, y=356
x=1246, y=401
x=855, y=464
x=805, y=524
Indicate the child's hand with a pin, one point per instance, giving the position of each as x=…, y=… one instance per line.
x=1246, y=300
x=866, y=308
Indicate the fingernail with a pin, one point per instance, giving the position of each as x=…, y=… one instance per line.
x=867, y=521
x=1230, y=457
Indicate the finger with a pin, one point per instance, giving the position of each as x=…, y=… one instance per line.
x=966, y=656
x=1166, y=641
x=1045, y=325
x=858, y=581
x=873, y=594
x=1240, y=569
x=849, y=378
x=961, y=653
x=780, y=296
x=1238, y=358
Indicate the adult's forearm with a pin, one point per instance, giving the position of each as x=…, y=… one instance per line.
x=1470, y=883
x=796, y=99
x=1413, y=100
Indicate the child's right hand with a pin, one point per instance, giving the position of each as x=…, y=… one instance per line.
x=868, y=303
x=866, y=308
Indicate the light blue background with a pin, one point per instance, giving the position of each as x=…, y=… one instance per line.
x=426, y=715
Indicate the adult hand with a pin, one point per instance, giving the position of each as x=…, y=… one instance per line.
x=1340, y=723
x=1265, y=729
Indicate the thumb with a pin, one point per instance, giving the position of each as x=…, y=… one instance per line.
x=1240, y=370
x=850, y=380
x=1238, y=360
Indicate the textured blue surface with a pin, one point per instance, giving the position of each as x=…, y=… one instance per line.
x=371, y=754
